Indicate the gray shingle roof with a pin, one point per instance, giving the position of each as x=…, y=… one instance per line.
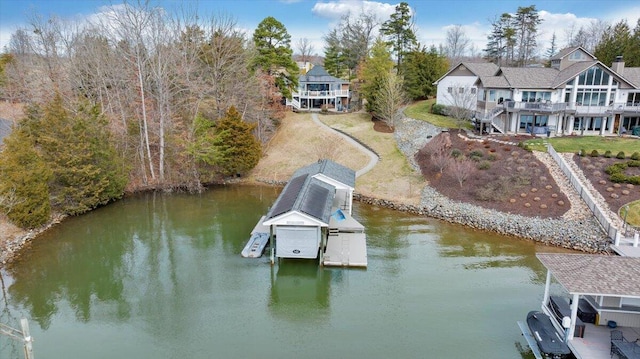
x=592, y=274
x=482, y=68
x=527, y=77
x=566, y=51
x=632, y=74
x=319, y=74
x=571, y=72
x=494, y=82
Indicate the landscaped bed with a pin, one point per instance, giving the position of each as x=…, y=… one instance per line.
x=503, y=176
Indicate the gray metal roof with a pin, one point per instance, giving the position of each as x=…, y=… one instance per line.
x=5, y=129
x=331, y=169
x=592, y=274
x=319, y=74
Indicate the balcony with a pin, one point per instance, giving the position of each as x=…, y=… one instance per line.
x=321, y=94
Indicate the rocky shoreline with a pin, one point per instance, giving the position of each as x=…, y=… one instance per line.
x=577, y=230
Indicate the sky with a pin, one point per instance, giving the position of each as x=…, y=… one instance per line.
x=312, y=19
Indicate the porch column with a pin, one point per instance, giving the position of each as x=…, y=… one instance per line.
x=545, y=297
x=570, y=123
x=603, y=126
x=574, y=314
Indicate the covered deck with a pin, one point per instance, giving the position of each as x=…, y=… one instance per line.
x=611, y=287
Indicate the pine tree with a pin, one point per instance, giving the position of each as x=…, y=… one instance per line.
x=24, y=192
x=620, y=41
x=274, y=54
x=421, y=69
x=399, y=29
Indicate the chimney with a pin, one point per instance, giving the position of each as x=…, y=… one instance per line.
x=618, y=65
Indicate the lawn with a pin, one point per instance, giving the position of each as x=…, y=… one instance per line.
x=589, y=143
x=421, y=110
x=633, y=216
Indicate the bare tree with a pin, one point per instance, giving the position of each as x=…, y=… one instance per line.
x=462, y=101
x=306, y=49
x=456, y=43
x=461, y=169
x=390, y=99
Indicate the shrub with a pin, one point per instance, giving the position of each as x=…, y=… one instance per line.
x=492, y=157
x=635, y=156
x=617, y=174
x=620, y=155
x=476, y=153
x=582, y=152
x=439, y=109
x=484, y=165
x=594, y=153
x=455, y=153
x=607, y=154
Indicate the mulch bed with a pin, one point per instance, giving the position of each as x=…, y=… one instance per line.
x=512, y=180
x=616, y=194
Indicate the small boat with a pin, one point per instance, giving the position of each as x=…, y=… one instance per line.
x=256, y=244
x=549, y=341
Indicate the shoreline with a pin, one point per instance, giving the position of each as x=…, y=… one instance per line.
x=581, y=233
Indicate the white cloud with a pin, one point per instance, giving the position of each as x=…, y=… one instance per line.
x=334, y=10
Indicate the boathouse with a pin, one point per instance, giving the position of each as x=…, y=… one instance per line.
x=311, y=218
x=601, y=295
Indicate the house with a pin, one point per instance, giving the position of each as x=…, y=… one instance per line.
x=604, y=292
x=311, y=217
x=576, y=95
x=316, y=88
x=5, y=129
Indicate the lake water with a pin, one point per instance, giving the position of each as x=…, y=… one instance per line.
x=161, y=276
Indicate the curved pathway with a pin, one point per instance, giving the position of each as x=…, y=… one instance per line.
x=373, y=158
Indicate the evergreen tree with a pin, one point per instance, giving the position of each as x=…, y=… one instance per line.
x=421, y=69
x=399, y=29
x=238, y=149
x=274, y=54
x=206, y=149
x=526, y=24
x=620, y=41
x=86, y=169
x=373, y=71
x=334, y=57
x=24, y=192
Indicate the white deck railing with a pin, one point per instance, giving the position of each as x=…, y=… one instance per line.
x=311, y=94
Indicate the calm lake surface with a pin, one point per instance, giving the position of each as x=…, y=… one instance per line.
x=161, y=276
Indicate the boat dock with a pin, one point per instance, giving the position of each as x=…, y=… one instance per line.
x=257, y=242
x=530, y=340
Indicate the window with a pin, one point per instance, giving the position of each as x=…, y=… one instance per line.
x=460, y=90
x=536, y=96
x=593, y=76
x=591, y=97
x=450, y=89
x=577, y=56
